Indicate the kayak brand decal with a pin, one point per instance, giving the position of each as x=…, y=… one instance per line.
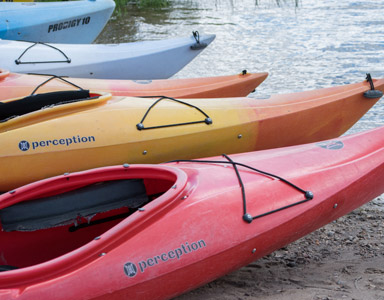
x=331, y=145
x=131, y=269
x=68, y=24
x=26, y=145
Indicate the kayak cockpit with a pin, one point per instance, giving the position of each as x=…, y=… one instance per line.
x=74, y=206
x=19, y=107
x=4, y=74
x=44, y=221
x=16, y=113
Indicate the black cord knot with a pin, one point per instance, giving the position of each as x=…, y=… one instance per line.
x=308, y=195
x=208, y=121
x=140, y=126
x=247, y=218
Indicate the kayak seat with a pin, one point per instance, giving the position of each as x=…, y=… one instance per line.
x=67, y=208
x=36, y=102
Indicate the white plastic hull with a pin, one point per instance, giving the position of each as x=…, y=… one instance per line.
x=136, y=61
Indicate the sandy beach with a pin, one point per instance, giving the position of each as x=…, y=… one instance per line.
x=343, y=260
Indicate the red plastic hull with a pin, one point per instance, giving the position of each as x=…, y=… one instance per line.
x=195, y=233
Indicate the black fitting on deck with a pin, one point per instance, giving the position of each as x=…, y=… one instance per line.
x=372, y=93
x=247, y=218
x=198, y=45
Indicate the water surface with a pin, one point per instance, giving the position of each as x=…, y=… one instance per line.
x=309, y=45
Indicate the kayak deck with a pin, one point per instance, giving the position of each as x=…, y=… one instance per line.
x=13, y=85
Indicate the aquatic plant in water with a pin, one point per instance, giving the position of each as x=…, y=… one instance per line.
x=154, y=3
x=145, y=3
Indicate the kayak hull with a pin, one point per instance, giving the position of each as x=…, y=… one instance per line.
x=56, y=140
x=195, y=231
x=13, y=85
x=75, y=22
x=136, y=61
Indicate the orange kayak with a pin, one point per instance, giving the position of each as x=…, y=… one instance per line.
x=99, y=129
x=14, y=85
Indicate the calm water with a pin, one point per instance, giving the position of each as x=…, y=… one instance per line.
x=311, y=45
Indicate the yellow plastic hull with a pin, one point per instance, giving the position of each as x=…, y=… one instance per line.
x=101, y=132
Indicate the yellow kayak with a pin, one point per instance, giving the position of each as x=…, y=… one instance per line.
x=67, y=135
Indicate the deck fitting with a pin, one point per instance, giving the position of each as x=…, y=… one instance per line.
x=308, y=195
x=208, y=121
x=248, y=218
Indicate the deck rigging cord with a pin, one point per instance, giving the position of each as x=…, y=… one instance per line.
x=140, y=125
x=19, y=62
x=246, y=216
x=51, y=78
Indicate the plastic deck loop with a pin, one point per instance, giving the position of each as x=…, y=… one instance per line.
x=198, y=45
x=140, y=126
x=19, y=62
x=51, y=78
x=246, y=216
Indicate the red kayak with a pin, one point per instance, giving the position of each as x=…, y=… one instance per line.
x=157, y=231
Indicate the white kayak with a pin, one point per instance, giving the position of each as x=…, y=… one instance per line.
x=76, y=22
x=140, y=60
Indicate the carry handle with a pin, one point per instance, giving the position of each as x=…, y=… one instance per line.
x=19, y=62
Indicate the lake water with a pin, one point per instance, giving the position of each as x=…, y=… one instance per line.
x=306, y=45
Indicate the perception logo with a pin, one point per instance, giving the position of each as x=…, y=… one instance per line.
x=68, y=142
x=130, y=269
x=24, y=146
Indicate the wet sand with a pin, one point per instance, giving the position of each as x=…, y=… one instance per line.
x=343, y=260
